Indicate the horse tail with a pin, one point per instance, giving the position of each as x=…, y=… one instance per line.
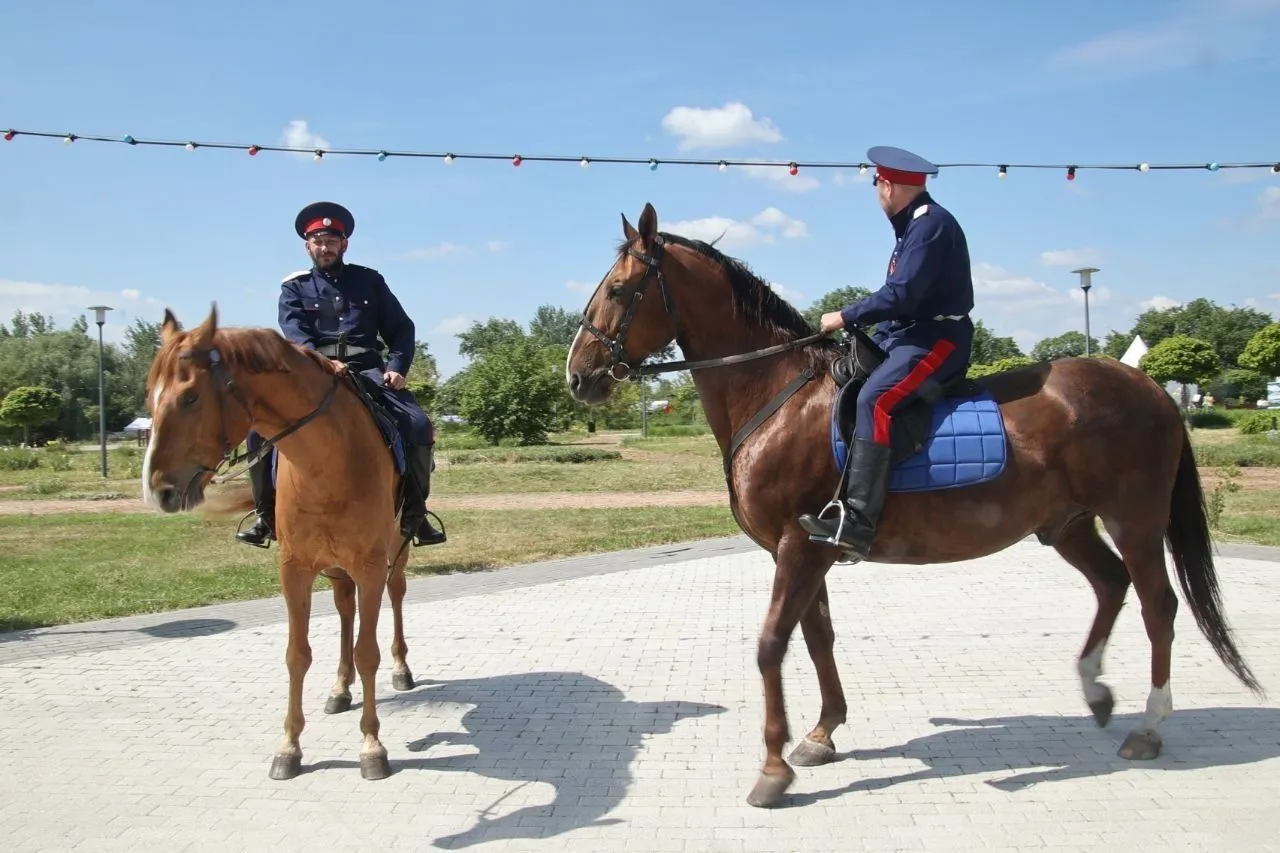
x=227, y=500
x=1189, y=541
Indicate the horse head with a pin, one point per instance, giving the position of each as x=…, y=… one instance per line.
x=624, y=323
x=192, y=429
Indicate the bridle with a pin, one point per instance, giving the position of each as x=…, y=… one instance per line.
x=223, y=384
x=617, y=346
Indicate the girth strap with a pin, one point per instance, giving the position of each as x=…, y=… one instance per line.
x=779, y=400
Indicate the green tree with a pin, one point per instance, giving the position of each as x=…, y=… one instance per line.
x=512, y=391
x=1116, y=343
x=833, y=301
x=1228, y=330
x=1239, y=382
x=30, y=406
x=1066, y=345
x=1262, y=352
x=553, y=325
x=483, y=337
x=1182, y=359
x=987, y=348
x=978, y=371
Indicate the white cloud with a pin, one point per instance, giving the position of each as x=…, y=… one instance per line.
x=762, y=229
x=496, y=246
x=1071, y=258
x=1160, y=303
x=842, y=178
x=995, y=285
x=452, y=325
x=580, y=287
x=719, y=127
x=1268, y=204
x=66, y=302
x=432, y=253
x=1097, y=295
x=1194, y=34
x=793, y=296
x=781, y=177
x=299, y=135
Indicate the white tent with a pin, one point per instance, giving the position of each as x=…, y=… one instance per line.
x=1137, y=349
x=138, y=425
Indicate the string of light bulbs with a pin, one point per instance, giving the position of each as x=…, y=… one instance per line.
x=792, y=166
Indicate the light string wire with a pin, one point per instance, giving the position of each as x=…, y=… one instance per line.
x=793, y=166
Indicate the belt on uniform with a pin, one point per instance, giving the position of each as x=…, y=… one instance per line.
x=941, y=317
x=334, y=350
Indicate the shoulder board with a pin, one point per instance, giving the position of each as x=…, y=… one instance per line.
x=293, y=276
x=920, y=211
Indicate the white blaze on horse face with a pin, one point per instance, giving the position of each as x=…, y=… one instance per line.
x=147, y=496
x=573, y=347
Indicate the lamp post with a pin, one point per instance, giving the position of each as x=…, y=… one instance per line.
x=100, y=317
x=1086, y=282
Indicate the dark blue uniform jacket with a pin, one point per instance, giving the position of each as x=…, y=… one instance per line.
x=929, y=282
x=316, y=307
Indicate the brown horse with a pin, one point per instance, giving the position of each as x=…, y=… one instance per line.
x=1085, y=439
x=335, y=505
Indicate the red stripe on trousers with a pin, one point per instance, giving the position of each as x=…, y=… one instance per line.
x=895, y=395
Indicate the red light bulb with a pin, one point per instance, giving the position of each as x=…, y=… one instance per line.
x=9, y=135
x=794, y=169
x=253, y=150
x=517, y=160
x=1071, y=173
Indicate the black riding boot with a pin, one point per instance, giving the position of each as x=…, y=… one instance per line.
x=866, y=480
x=414, y=519
x=264, y=502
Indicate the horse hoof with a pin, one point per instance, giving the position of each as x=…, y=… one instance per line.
x=769, y=790
x=338, y=704
x=374, y=767
x=286, y=767
x=1102, y=709
x=1141, y=745
x=812, y=753
x=402, y=680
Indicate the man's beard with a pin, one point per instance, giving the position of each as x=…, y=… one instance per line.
x=333, y=262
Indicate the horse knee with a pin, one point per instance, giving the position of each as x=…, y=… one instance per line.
x=770, y=650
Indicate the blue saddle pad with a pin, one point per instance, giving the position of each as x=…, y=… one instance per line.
x=966, y=446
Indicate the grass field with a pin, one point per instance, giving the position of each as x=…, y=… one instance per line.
x=60, y=563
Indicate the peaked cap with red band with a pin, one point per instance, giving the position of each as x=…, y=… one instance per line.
x=900, y=167
x=324, y=217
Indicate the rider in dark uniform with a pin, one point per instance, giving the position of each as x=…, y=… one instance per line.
x=336, y=297
x=924, y=326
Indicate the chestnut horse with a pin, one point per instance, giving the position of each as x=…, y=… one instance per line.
x=1084, y=439
x=335, y=505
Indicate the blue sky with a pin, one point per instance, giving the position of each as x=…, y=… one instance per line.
x=144, y=228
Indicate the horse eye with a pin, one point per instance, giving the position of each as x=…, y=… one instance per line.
x=615, y=291
x=188, y=399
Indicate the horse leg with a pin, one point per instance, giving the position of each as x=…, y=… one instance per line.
x=344, y=600
x=1143, y=551
x=401, y=677
x=296, y=584
x=817, y=747
x=1083, y=547
x=373, y=755
x=796, y=581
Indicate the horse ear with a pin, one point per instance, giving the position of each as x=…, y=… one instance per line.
x=648, y=224
x=170, y=327
x=202, y=335
x=627, y=231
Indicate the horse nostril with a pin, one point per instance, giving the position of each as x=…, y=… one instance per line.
x=166, y=497
x=575, y=380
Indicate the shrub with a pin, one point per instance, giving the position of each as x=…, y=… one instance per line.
x=1258, y=423
x=568, y=455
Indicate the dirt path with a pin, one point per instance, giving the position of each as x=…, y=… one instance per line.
x=498, y=501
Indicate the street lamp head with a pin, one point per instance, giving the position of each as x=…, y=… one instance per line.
x=1086, y=277
x=100, y=313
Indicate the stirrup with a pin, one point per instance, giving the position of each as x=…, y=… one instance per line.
x=241, y=535
x=847, y=556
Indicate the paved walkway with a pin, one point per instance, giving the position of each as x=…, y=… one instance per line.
x=613, y=703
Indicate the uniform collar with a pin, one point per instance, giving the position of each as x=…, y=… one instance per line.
x=332, y=274
x=903, y=217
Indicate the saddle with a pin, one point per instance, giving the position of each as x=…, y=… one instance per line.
x=912, y=424
x=371, y=394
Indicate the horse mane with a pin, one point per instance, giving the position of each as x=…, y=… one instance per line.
x=255, y=350
x=751, y=295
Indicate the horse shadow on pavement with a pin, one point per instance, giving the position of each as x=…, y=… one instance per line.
x=571, y=731
x=1061, y=748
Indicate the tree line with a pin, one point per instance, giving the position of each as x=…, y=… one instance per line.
x=513, y=384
